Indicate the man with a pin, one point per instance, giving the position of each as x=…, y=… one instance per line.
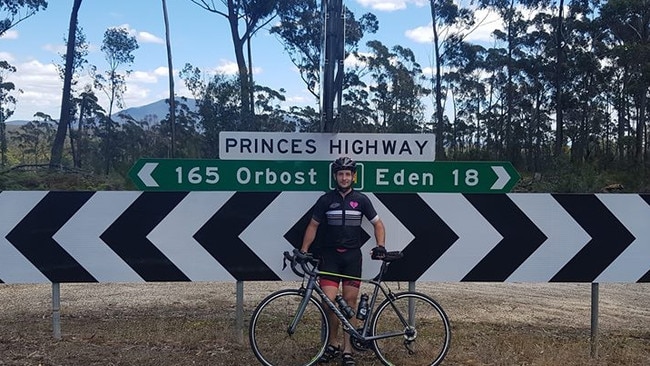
x=341, y=211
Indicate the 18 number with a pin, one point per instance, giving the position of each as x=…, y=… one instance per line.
x=471, y=177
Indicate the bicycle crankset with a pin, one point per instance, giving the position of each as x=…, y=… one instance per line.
x=359, y=344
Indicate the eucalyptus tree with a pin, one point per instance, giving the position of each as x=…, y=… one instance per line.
x=13, y=12
x=396, y=88
x=170, y=72
x=7, y=102
x=245, y=18
x=218, y=105
x=118, y=47
x=585, y=74
x=300, y=29
x=35, y=138
x=74, y=59
x=627, y=26
x=468, y=93
x=189, y=140
x=448, y=24
x=89, y=112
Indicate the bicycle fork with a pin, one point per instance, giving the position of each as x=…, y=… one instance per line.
x=291, y=329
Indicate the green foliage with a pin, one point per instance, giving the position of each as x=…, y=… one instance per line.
x=42, y=178
x=13, y=12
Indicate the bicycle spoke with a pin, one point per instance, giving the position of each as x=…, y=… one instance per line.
x=425, y=338
x=269, y=336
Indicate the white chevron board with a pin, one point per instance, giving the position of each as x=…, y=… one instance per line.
x=227, y=236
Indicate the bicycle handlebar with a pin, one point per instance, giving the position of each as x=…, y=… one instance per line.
x=302, y=259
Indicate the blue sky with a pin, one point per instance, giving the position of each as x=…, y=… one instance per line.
x=198, y=37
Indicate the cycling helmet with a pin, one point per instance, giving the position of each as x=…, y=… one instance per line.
x=344, y=163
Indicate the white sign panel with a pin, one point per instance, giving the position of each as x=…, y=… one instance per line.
x=326, y=146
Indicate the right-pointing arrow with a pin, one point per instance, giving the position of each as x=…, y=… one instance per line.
x=145, y=174
x=502, y=177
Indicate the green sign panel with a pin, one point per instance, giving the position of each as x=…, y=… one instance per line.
x=265, y=175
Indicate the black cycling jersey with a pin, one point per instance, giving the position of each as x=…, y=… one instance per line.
x=343, y=216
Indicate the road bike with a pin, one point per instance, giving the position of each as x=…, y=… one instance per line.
x=290, y=327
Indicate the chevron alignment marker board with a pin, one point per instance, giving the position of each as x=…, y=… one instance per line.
x=131, y=236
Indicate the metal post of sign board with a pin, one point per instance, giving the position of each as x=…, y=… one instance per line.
x=56, y=310
x=239, y=312
x=411, y=304
x=594, y=320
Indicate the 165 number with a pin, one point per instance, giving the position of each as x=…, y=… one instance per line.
x=196, y=175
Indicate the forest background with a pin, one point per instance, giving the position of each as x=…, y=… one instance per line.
x=563, y=94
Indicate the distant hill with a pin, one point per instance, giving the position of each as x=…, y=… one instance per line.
x=154, y=111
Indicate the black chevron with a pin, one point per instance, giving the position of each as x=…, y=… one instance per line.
x=220, y=236
x=609, y=238
x=127, y=236
x=520, y=237
x=33, y=237
x=432, y=237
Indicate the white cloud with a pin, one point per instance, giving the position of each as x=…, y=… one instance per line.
x=7, y=56
x=141, y=36
x=227, y=68
x=162, y=71
x=352, y=61
x=59, y=49
x=422, y=34
x=146, y=37
x=390, y=5
x=41, y=89
x=300, y=100
x=10, y=34
x=230, y=68
x=143, y=77
x=486, y=23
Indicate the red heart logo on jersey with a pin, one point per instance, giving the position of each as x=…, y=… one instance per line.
x=354, y=204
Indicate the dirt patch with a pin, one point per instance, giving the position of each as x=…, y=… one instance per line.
x=195, y=323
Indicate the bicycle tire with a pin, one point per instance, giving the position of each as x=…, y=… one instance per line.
x=268, y=330
x=430, y=340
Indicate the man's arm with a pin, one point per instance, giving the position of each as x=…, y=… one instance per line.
x=380, y=233
x=310, y=235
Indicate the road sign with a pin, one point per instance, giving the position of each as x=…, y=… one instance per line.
x=228, y=175
x=447, y=176
x=238, y=145
x=372, y=176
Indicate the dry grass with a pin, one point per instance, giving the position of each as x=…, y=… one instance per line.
x=198, y=328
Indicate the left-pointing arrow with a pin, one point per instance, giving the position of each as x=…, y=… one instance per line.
x=145, y=174
x=502, y=177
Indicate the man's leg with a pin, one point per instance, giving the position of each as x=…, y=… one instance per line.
x=331, y=289
x=350, y=294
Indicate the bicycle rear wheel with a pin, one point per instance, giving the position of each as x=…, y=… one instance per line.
x=269, y=330
x=426, y=333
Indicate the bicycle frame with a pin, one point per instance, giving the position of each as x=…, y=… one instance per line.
x=313, y=285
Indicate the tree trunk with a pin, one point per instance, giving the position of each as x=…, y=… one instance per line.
x=244, y=87
x=172, y=101
x=559, y=121
x=66, y=102
x=440, y=122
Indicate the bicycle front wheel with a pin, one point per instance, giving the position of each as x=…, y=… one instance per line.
x=424, y=330
x=269, y=334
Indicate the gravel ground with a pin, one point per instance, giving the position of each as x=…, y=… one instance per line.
x=26, y=323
